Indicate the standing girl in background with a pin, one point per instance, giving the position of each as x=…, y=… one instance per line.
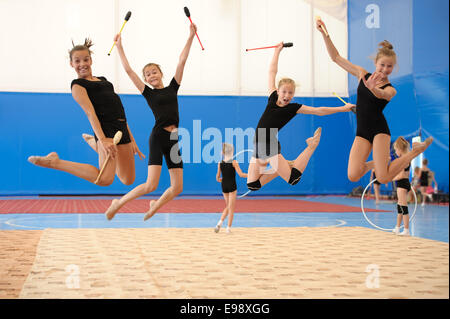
x=401, y=147
x=106, y=115
x=228, y=168
x=426, y=180
x=415, y=184
x=163, y=141
x=372, y=132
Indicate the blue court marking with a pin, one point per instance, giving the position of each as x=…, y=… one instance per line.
x=431, y=221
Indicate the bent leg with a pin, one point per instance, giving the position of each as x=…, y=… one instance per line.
x=125, y=168
x=176, y=187
x=84, y=171
x=357, y=166
x=154, y=172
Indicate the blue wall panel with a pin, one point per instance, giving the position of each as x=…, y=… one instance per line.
x=38, y=123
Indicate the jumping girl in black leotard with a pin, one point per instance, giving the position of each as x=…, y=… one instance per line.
x=163, y=141
x=105, y=112
x=279, y=111
x=228, y=168
x=372, y=133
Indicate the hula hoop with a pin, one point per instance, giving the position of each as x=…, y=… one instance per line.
x=376, y=226
x=235, y=156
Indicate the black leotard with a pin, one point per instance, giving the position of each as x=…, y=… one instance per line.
x=271, y=122
x=164, y=105
x=228, y=177
x=424, y=178
x=369, y=113
x=108, y=107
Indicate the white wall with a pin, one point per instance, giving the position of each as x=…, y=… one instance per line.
x=35, y=37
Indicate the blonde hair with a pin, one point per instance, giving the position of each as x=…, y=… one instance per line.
x=288, y=81
x=81, y=47
x=386, y=49
x=227, y=149
x=401, y=144
x=148, y=65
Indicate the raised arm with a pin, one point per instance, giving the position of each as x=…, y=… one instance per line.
x=273, y=68
x=238, y=169
x=184, y=54
x=324, y=110
x=140, y=85
x=351, y=68
x=80, y=95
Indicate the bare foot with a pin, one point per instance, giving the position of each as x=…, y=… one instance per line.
x=113, y=209
x=90, y=140
x=313, y=141
x=150, y=213
x=422, y=146
x=44, y=161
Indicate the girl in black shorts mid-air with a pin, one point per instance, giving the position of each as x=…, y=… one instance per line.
x=372, y=132
x=228, y=168
x=163, y=141
x=106, y=115
x=279, y=111
x=401, y=147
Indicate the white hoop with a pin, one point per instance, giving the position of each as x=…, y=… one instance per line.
x=235, y=156
x=381, y=228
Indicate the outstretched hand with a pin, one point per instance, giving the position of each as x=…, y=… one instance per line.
x=137, y=151
x=373, y=80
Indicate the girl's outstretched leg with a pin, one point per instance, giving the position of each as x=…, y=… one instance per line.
x=154, y=172
x=176, y=187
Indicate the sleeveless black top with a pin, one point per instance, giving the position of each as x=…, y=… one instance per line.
x=107, y=104
x=370, y=120
x=228, y=176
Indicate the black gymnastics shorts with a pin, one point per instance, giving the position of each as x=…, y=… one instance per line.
x=228, y=187
x=164, y=143
x=368, y=131
x=265, y=150
x=403, y=183
x=110, y=128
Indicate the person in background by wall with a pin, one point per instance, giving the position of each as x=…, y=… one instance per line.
x=105, y=112
x=415, y=185
x=426, y=181
x=228, y=168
